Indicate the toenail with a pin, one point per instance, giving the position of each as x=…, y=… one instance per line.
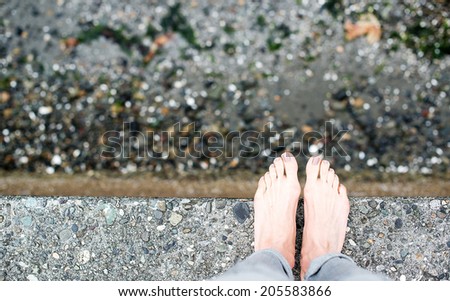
x=288, y=156
x=316, y=160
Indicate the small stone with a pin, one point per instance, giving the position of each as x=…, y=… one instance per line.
x=169, y=205
x=208, y=207
x=55, y=255
x=187, y=230
x=435, y=204
x=448, y=243
x=403, y=253
x=110, y=215
x=69, y=212
x=222, y=248
x=74, y=228
x=145, y=236
x=366, y=245
x=175, y=218
x=441, y=214
x=241, y=212
x=187, y=206
x=161, y=227
x=380, y=268
x=2, y=218
x=45, y=110
x=402, y=278
x=84, y=256
x=31, y=202
x=352, y=242
x=364, y=210
x=398, y=223
x=124, y=220
x=220, y=204
x=32, y=277
x=26, y=221
x=161, y=205
x=373, y=204
x=158, y=214
x=169, y=246
x=65, y=235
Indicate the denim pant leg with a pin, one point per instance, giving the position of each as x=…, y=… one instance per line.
x=261, y=265
x=335, y=267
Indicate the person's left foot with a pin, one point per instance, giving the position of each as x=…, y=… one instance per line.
x=275, y=204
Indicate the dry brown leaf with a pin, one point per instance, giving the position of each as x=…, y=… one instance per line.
x=367, y=25
x=159, y=42
x=71, y=42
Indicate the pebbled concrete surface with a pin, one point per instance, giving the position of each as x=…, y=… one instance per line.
x=70, y=238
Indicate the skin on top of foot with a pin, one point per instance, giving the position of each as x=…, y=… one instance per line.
x=325, y=203
x=326, y=209
x=276, y=201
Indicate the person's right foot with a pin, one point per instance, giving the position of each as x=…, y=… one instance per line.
x=326, y=209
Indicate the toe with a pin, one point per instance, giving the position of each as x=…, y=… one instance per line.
x=324, y=168
x=279, y=167
x=312, y=168
x=272, y=173
x=330, y=176
x=290, y=165
x=342, y=190
x=267, y=180
x=336, y=182
x=261, y=187
x=343, y=195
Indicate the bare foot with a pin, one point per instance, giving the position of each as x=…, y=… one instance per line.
x=276, y=202
x=326, y=210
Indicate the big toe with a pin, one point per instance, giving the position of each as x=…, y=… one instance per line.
x=312, y=168
x=290, y=165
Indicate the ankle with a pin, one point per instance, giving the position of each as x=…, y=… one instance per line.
x=290, y=258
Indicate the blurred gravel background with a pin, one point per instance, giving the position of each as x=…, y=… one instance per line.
x=71, y=71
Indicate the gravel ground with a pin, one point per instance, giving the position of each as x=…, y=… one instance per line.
x=74, y=70
x=60, y=238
